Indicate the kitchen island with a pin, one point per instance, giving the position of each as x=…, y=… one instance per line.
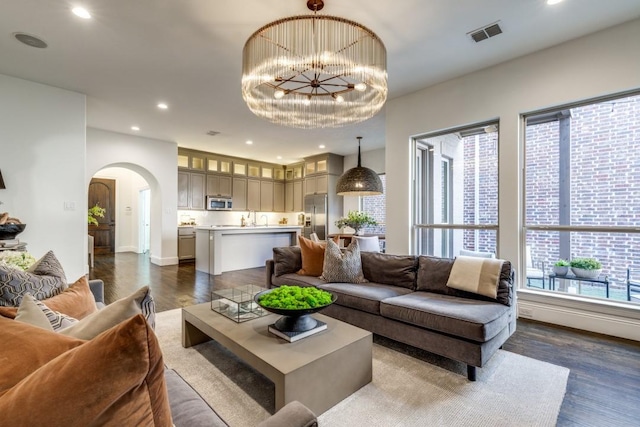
x=229, y=248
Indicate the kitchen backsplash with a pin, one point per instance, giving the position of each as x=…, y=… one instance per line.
x=233, y=217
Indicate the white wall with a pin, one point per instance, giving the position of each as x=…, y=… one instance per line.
x=42, y=158
x=128, y=186
x=601, y=63
x=156, y=162
x=374, y=160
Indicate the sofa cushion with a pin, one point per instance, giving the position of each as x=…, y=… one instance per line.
x=287, y=259
x=187, y=406
x=462, y=317
x=294, y=279
x=29, y=312
x=139, y=302
x=312, y=254
x=477, y=275
x=115, y=379
x=365, y=296
x=14, y=283
x=25, y=348
x=342, y=266
x=48, y=265
x=397, y=270
x=433, y=274
x=76, y=301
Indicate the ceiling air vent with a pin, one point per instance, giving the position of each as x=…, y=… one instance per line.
x=485, y=32
x=30, y=40
x=212, y=133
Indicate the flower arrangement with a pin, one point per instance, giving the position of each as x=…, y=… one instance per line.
x=16, y=259
x=356, y=220
x=95, y=211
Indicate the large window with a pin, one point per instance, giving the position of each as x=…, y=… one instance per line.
x=456, y=191
x=582, y=196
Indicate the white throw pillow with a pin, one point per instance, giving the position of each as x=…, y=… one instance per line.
x=29, y=312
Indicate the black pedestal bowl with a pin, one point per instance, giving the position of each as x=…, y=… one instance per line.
x=10, y=231
x=293, y=320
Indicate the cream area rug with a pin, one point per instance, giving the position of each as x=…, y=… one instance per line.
x=408, y=387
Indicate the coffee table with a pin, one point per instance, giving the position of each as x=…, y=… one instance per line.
x=318, y=371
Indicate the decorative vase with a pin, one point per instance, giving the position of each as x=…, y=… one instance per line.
x=586, y=274
x=359, y=232
x=560, y=270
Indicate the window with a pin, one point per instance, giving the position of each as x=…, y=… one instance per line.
x=456, y=191
x=582, y=194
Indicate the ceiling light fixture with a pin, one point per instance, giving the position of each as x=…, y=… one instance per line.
x=135, y=128
x=359, y=181
x=249, y=142
x=321, y=146
x=81, y=12
x=163, y=106
x=314, y=71
x=552, y=2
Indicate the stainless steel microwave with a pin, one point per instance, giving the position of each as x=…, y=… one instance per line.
x=217, y=203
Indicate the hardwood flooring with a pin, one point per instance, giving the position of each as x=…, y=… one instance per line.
x=604, y=383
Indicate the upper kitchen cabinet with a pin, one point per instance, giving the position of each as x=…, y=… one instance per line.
x=253, y=195
x=191, y=190
x=279, y=173
x=327, y=163
x=219, y=165
x=219, y=185
x=193, y=160
x=239, y=194
x=294, y=172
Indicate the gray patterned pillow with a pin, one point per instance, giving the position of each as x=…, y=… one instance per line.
x=48, y=265
x=58, y=320
x=342, y=267
x=14, y=283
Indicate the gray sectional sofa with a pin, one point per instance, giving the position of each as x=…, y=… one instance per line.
x=188, y=409
x=407, y=300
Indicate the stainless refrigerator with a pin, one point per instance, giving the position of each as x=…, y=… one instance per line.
x=316, y=218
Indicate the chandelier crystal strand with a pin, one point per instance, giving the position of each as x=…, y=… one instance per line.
x=314, y=71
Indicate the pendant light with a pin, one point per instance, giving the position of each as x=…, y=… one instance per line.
x=359, y=181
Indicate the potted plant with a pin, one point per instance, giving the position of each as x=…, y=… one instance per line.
x=356, y=220
x=95, y=211
x=588, y=268
x=561, y=267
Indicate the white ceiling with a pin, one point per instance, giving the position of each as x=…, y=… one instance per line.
x=135, y=53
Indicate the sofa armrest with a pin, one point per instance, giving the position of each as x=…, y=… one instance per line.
x=293, y=414
x=271, y=264
x=97, y=289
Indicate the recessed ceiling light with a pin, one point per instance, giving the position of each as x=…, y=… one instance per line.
x=321, y=146
x=136, y=128
x=249, y=142
x=163, y=106
x=551, y=2
x=279, y=157
x=81, y=12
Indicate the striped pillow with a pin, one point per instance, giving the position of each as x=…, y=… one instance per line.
x=476, y=275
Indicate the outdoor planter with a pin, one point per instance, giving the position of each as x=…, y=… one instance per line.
x=560, y=270
x=586, y=274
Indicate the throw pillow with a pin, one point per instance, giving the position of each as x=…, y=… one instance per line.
x=30, y=313
x=25, y=348
x=48, y=265
x=476, y=275
x=312, y=257
x=15, y=283
x=76, y=301
x=342, y=267
x=115, y=379
x=140, y=302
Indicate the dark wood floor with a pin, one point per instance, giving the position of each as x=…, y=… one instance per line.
x=604, y=383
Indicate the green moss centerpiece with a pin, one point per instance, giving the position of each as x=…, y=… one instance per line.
x=296, y=304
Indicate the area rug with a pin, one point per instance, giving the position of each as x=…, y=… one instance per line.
x=408, y=387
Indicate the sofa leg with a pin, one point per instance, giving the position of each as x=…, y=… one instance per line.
x=471, y=373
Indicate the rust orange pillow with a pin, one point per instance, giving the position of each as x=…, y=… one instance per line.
x=116, y=378
x=76, y=301
x=312, y=254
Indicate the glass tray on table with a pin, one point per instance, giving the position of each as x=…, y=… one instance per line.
x=237, y=303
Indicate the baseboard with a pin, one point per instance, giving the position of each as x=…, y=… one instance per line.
x=163, y=261
x=555, y=312
x=127, y=249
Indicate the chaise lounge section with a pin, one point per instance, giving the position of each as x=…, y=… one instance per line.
x=407, y=299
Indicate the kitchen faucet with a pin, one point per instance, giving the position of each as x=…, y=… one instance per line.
x=252, y=223
x=266, y=220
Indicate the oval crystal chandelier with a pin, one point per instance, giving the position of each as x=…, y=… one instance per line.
x=314, y=71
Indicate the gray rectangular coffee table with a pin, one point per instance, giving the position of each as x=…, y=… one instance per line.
x=318, y=371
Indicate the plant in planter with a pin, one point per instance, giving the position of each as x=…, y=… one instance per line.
x=94, y=212
x=561, y=267
x=356, y=220
x=588, y=268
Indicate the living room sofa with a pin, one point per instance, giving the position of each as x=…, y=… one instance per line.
x=407, y=299
x=188, y=409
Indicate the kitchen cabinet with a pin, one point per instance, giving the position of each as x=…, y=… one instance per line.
x=186, y=243
x=288, y=197
x=327, y=163
x=253, y=195
x=219, y=185
x=278, y=197
x=316, y=184
x=266, y=196
x=239, y=194
x=191, y=190
x=297, y=196
x=191, y=160
x=218, y=165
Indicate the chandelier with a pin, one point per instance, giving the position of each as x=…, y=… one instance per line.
x=314, y=71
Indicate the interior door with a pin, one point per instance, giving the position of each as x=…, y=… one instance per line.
x=103, y=193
